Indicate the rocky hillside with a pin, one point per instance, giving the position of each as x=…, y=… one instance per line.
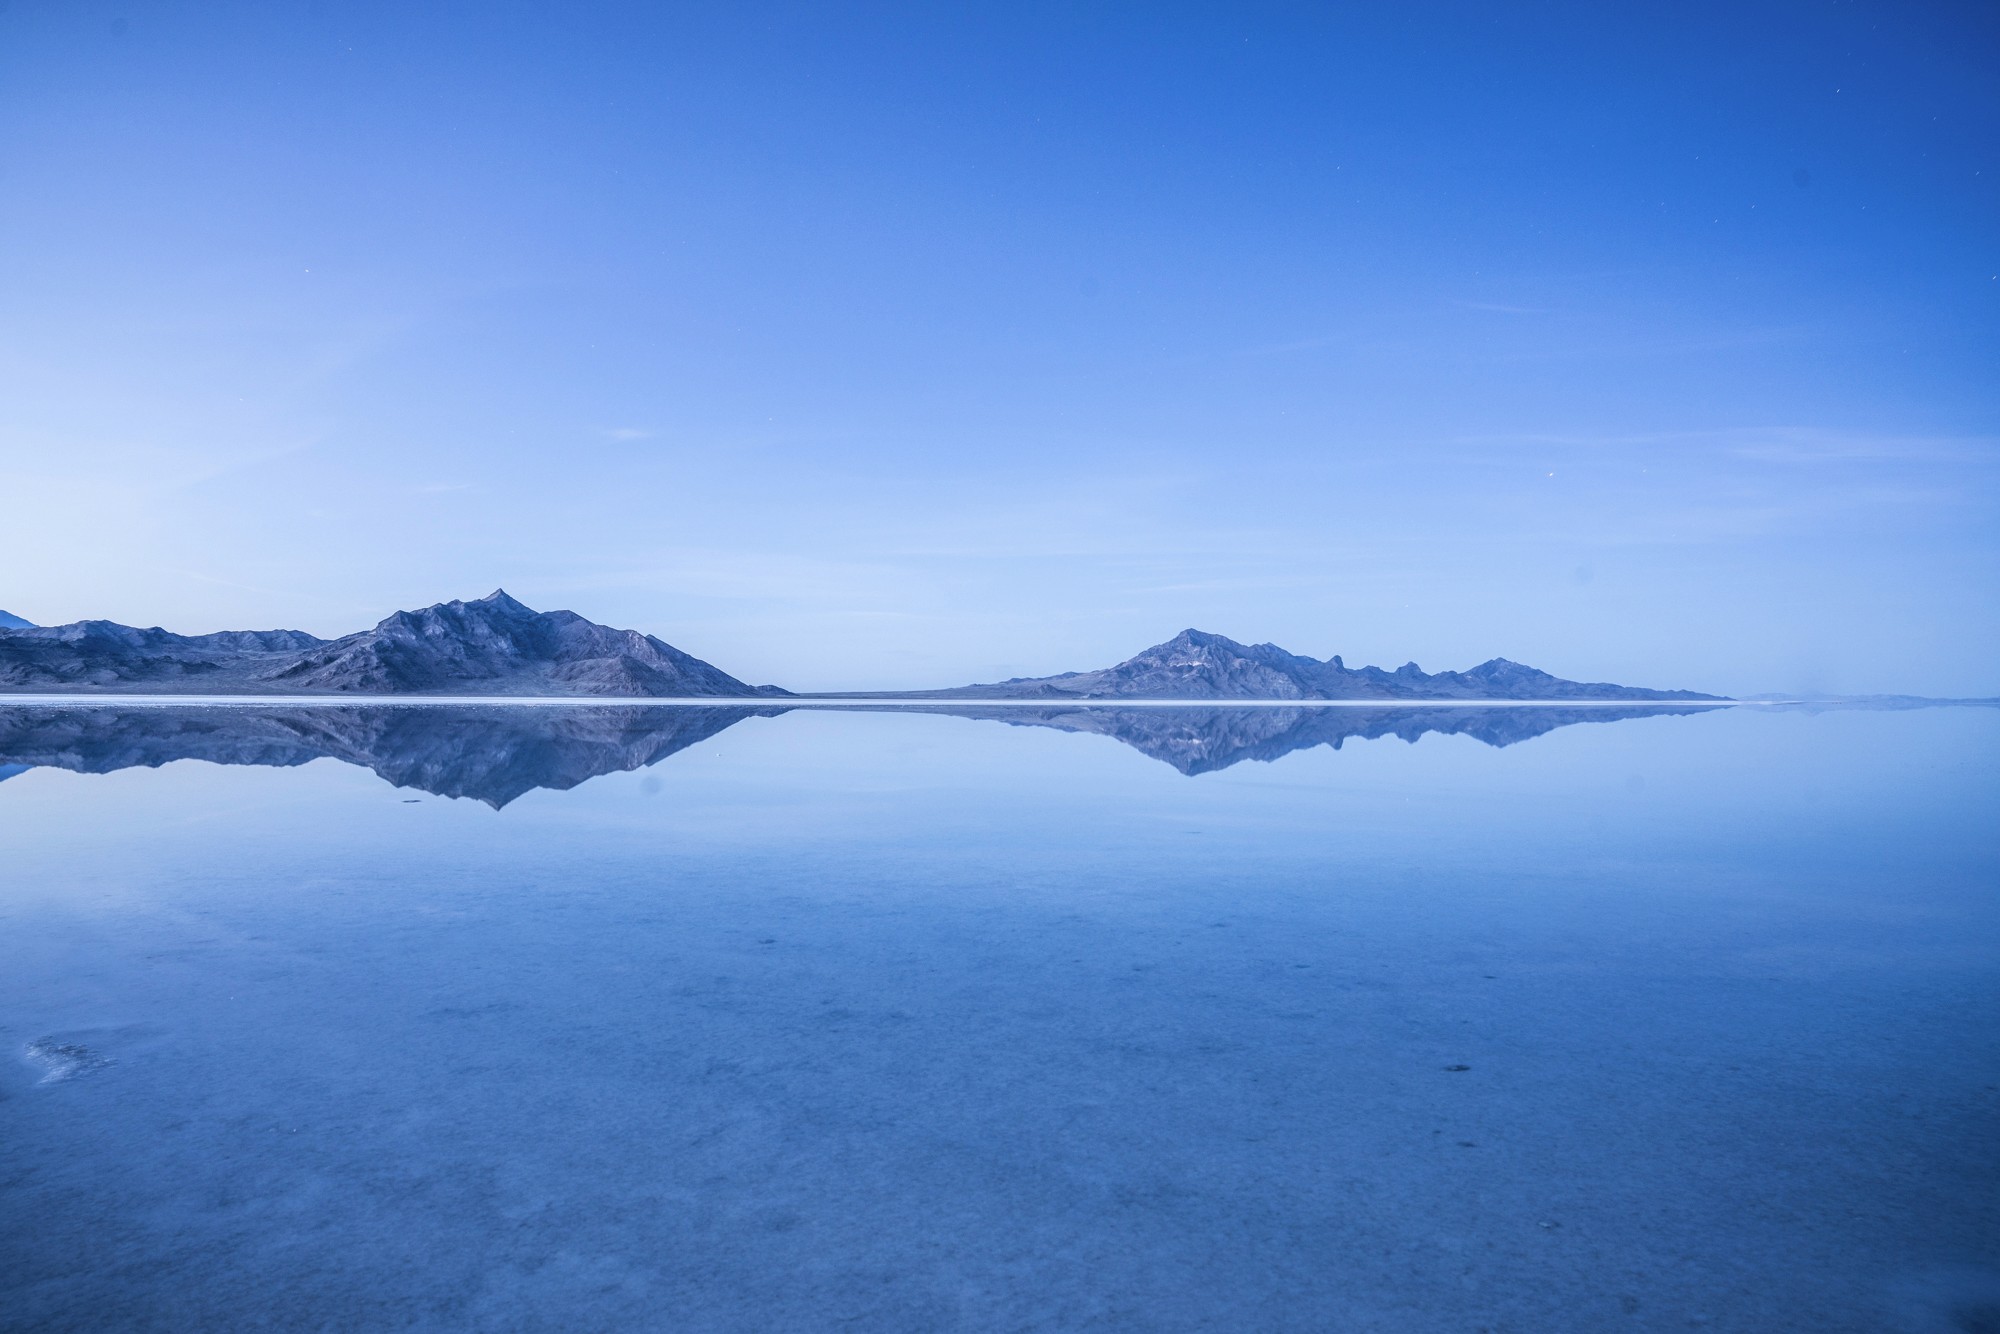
x=1198, y=665
x=492, y=646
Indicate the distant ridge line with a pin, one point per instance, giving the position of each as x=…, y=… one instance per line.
x=497, y=646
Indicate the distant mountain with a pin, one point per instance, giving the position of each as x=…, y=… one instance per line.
x=498, y=646
x=1198, y=665
x=106, y=656
x=9, y=621
x=493, y=646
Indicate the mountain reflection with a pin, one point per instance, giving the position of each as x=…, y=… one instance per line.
x=1203, y=740
x=492, y=754
x=495, y=753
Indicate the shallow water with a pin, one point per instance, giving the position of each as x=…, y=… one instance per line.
x=838, y=1020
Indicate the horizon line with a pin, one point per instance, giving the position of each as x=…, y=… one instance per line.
x=839, y=702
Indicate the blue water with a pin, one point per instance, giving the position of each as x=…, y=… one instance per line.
x=876, y=1021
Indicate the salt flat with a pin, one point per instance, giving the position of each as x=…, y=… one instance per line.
x=891, y=1020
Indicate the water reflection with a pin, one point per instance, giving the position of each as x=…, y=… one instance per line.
x=1203, y=740
x=492, y=754
x=497, y=753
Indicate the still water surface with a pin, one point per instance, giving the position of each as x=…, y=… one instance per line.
x=761, y=1020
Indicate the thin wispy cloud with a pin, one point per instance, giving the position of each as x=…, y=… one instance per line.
x=1499, y=309
x=1607, y=345
x=1771, y=444
x=1294, y=345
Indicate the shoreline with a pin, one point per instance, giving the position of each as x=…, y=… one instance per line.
x=80, y=700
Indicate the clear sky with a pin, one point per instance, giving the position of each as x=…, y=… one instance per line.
x=850, y=345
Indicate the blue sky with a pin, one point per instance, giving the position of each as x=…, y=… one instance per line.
x=853, y=345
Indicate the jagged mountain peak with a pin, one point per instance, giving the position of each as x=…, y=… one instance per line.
x=500, y=600
x=1189, y=641
x=495, y=606
x=1200, y=642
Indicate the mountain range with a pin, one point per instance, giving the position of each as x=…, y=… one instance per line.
x=1197, y=665
x=491, y=646
x=498, y=646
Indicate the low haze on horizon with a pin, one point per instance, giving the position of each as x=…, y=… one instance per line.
x=891, y=347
